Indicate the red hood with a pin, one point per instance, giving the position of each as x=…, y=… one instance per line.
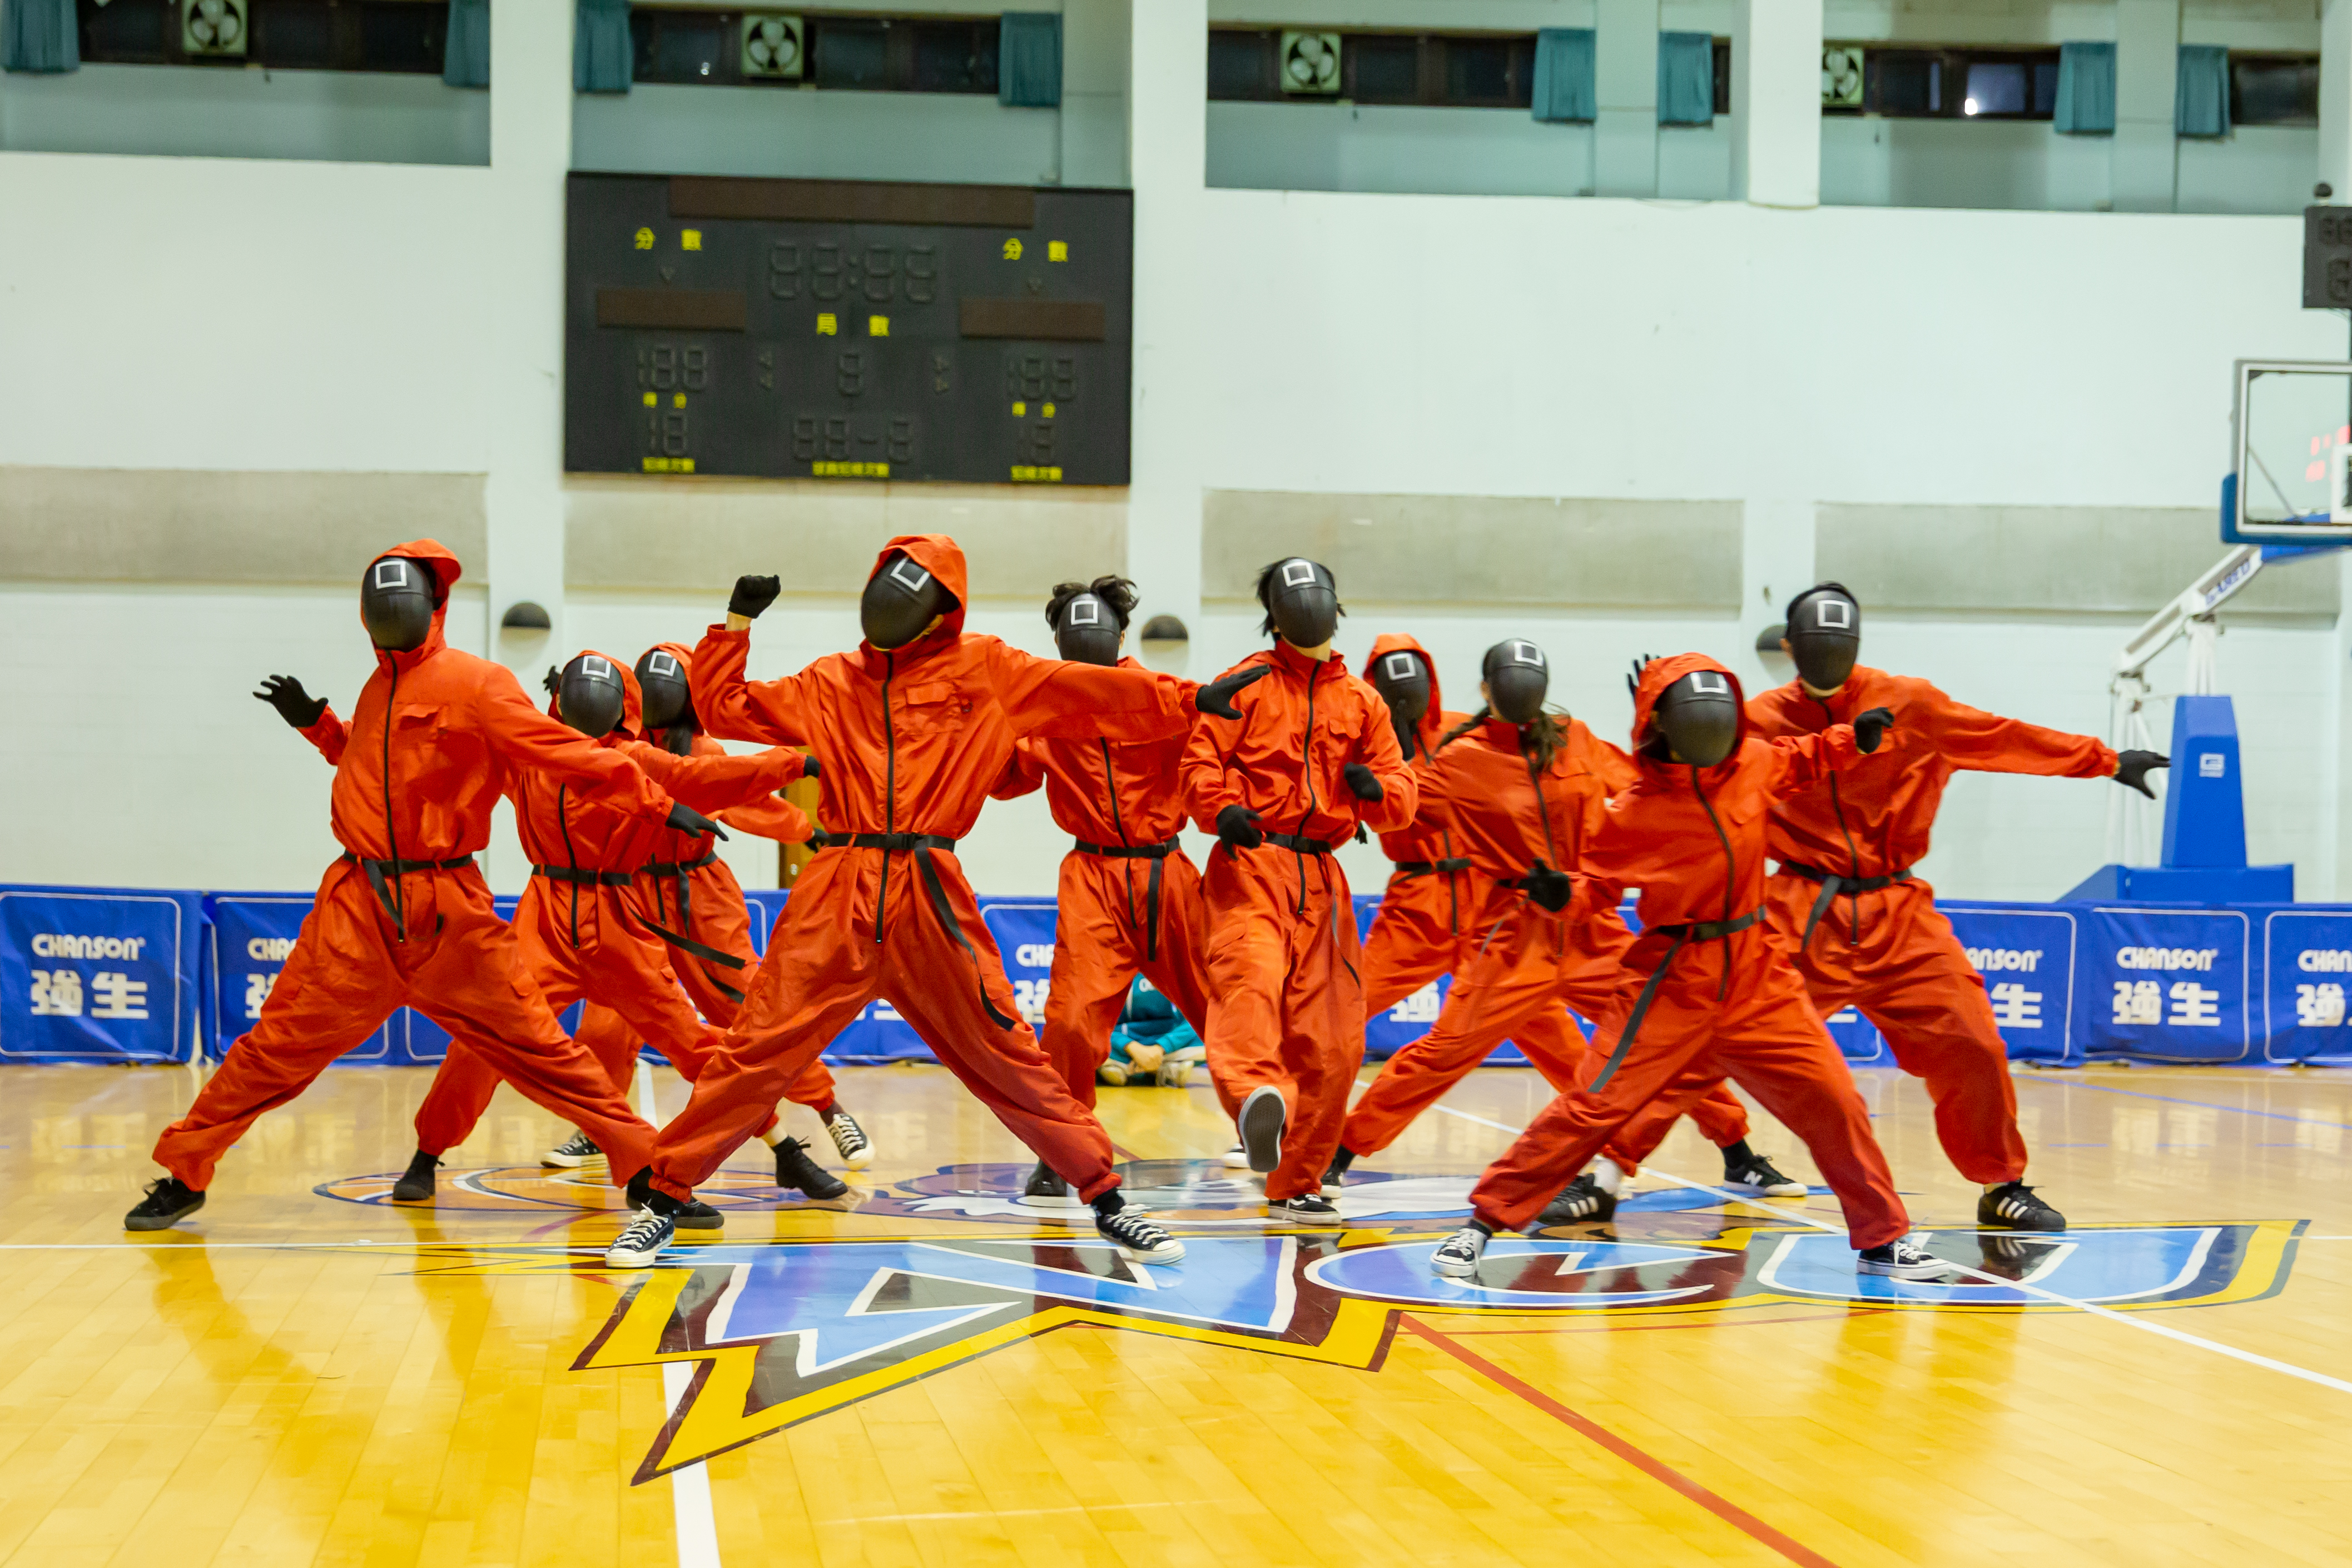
x=445, y=572
x=1661, y=673
x=633, y=720
x=942, y=557
x=1432, y=719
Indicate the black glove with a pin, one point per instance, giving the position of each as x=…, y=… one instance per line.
x=296, y=706
x=754, y=594
x=685, y=819
x=1216, y=699
x=819, y=838
x=1870, y=728
x=1360, y=782
x=550, y=681
x=1548, y=888
x=1237, y=828
x=2131, y=767
x=809, y=769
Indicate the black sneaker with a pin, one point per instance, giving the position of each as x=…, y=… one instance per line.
x=1047, y=1190
x=795, y=1170
x=168, y=1200
x=1335, y=1179
x=572, y=1153
x=1582, y=1202
x=1758, y=1171
x=698, y=1216
x=415, y=1184
x=640, y=1246
x=849, y=1140
x=1307, y=1208
x=1901, y=1260
x=1261, y=1121
x=2013, y=1205
x=1137, y=1239
x=1457, y=1256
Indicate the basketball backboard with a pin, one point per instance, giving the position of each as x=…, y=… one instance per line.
x=2290, y=478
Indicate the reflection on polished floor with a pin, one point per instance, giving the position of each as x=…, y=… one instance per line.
x=932, y=1372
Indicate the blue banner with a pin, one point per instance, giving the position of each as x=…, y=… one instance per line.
x=2307, y=967
x=2027, y=958
x=2170, y=984
x=246, y=943
x=99, y=974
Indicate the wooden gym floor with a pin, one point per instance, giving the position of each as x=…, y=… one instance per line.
x=937, y=1375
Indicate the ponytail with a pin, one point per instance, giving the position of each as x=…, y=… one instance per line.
x=1549, y=733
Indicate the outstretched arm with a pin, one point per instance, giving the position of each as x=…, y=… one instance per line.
x=716, y=781
x=522, y=737
x=1377, y=752
x=1988, y=743
x=1800, y=761
x=1082, y=701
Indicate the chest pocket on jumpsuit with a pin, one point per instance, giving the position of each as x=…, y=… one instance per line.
x=933, y=708
x=430, y=757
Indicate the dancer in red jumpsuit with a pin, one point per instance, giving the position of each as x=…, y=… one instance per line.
x=1282, y=785
x=588, y=929
x=404, y=916
x=688, y=890
x=915, y=727
x=1709, y=987
x=1523, y=789
x=1862, y=928
x=1128, y=900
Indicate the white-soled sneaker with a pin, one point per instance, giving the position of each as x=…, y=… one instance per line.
x=1457, y=1256
x=1766, y=1178
x=1236, y=1158
x=1137, y=1239
x=1307, y=1208
x=1901, y=1260
x=572, y=1152
x=640, y=1246
x=1261, y=1121
x=849, y=1140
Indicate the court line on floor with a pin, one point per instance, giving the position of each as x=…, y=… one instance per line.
x=2178, y=1100
x=1657, y=1469
x=2128, y=1320
x=690, y=1486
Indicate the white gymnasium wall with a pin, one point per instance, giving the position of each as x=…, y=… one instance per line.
x=1381, y=344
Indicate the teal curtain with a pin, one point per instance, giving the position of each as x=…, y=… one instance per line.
x=2086, y=89
x=466, y=57
x=39, y=35
x=1029, y=60
x=1563, y=84
x=2200, y=102
x=603, y=58
x=1685, y=78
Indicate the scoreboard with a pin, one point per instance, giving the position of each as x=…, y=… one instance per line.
x=847, y=329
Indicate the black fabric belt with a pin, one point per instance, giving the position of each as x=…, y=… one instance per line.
x=1158, y=855
x=1127, y=851
x=1431, y=868
x=1832, y=884
x=380, y=874
x=893, y=843
x=677, y=871
x=584, y=878
x=1297, y=845
x=677, y=867
x=1699, y=931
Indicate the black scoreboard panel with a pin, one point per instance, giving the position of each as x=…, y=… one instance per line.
x=847, y=329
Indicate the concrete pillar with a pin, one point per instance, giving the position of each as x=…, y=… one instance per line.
x=520, y=249
x=2147, y=71
x=1625, y=91
x=1776, y=102
x=1168, y=93
x=1094, y=92
x=2336, y=102
x=1776, y=562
